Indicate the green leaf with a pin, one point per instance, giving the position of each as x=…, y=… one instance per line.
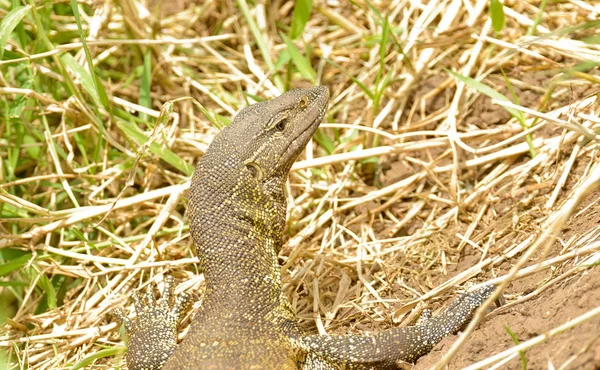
x=145, y=100
x=373, y=8
x=109, y=352
x=8, y=210
x=361, y=85
x=486, y=90
x=137, y=136
x=283, y=58
x=369, y=160
x=11, y=265
x=517, y=342
x=8, y=24
x=13, y=283
x=303, y=65
x=8, y=55
x=322, y=139
x=383, y=45
x=301, y=15
x=254, y=97
x=16, y=107
x=86, y=79
x=46, y=285
x=82, y=145
x=32, y=146
x=538, y=18
x=224, y=121
x=77, y=234
x=103, y=98
x=213, y=118
x=497, y=14
x=380, y=89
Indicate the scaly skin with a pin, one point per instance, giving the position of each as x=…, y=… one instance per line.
x=237, y=215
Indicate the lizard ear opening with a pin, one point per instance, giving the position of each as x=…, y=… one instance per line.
x=255, y=170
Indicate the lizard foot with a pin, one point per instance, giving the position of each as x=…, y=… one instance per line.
x=466, y=304
x=152, y=335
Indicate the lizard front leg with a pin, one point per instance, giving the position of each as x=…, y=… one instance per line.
x=384, y=349
x=152, y=335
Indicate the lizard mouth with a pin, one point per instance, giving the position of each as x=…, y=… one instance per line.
x=314, y=102
x=298, y=143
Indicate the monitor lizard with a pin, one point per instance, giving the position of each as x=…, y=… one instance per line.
x=237, y=213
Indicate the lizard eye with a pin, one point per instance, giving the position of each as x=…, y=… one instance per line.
x=280, y=126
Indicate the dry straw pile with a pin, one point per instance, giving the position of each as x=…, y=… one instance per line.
x=454, y=150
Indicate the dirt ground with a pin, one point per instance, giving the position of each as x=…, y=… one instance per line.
x=530, y=312
x=576, y=348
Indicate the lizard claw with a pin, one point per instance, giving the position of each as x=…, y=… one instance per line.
x=152, y=335
x=425, y=315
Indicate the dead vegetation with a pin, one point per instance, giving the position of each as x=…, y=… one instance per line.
x=418, y=182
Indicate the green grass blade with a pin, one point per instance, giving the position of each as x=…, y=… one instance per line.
x=301, y=15
x=134, y=134
x=8, y=55
x=486, y=90
x=97, y=85
x=517, y=342
x=538, y=18
x=283, y=58
x=214, y=118
x=5, y=362
x=497, y=15
x=8, y=24
x=46, y=286
x=82, y=75
x=13, y=284
x=380, y=86
x=380, y=89
x=11, y=265
x=576, y=28
x=323, y=140
x=145, y=100
x=373, y=9
x=260, y=41
x=361, y=85
x=303, y=65
x=109, y=352
x=383, y=47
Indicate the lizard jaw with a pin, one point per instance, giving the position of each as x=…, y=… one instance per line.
x=319, y=96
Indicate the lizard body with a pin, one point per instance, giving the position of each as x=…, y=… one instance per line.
x=237, y=215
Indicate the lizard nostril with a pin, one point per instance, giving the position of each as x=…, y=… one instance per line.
x=303, y=102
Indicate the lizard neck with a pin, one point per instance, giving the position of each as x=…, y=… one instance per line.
x=238, y=232
x=249, y=271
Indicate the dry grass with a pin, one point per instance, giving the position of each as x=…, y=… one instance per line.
x=412, y=171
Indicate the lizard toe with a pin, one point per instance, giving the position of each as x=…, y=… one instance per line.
x=152, y=334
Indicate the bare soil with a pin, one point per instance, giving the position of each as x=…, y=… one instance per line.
x=576, y=348
x=534, y=312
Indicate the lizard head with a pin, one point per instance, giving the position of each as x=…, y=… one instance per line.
x=271, y=134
